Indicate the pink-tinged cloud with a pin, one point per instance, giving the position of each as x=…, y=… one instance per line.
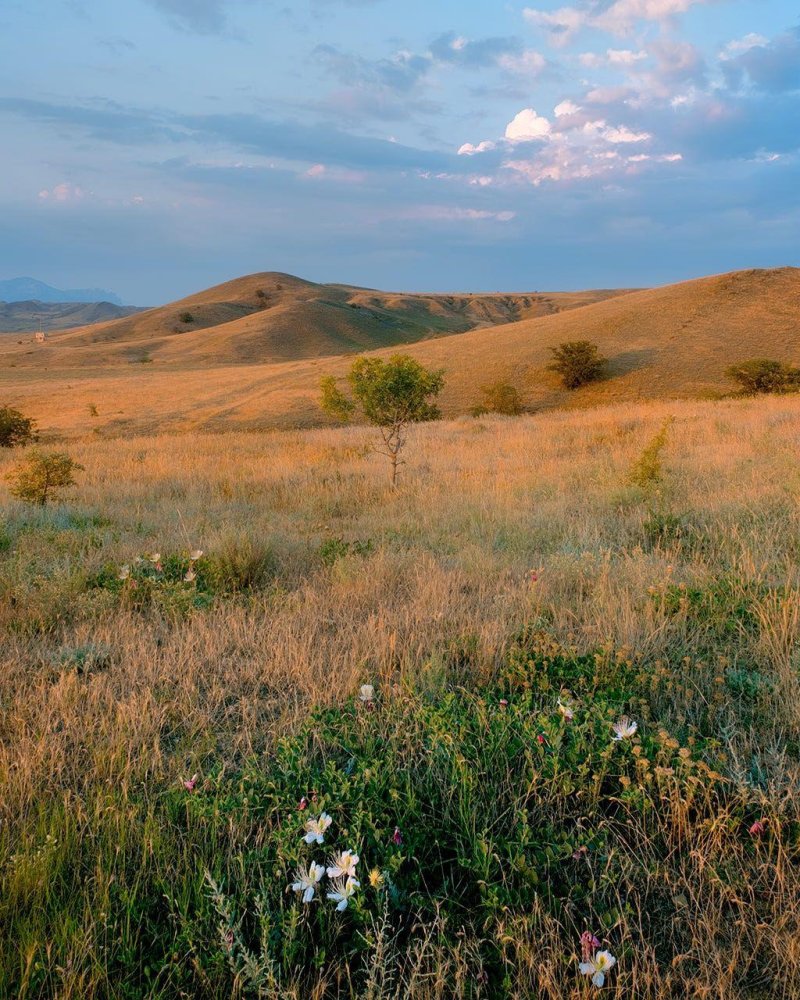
x=62, y=192
x=620, y=18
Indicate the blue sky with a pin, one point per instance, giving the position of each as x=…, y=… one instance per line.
x=158, y=146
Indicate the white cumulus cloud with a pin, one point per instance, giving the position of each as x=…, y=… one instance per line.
x=527, y=126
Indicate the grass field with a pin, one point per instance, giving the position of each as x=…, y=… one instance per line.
x=662, y=343
x=521, y=562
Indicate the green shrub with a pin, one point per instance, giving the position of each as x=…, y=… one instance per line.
x=646, y=471
x=42, y=476
x=500, y=397
x=761, y=375
x=15, y=429
x=577, y=362
x=241, y=564
x=84, y=659
x=334, y=549
x=186, y=317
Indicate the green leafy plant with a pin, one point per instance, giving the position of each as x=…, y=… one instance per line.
x=390, y=395
x=577, y=362
x=762, y=375
x=15, y=428
x=42, y=476
x=647, y=472
x=499, y=397
x=334, y=549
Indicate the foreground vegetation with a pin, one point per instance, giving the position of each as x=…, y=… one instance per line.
x=183, y=650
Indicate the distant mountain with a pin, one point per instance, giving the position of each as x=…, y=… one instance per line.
x=27, y=317
x=27, y=289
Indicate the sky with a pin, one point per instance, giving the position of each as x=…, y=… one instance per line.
x=156, y=147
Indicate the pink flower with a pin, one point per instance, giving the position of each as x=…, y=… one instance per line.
x=533, y=576
x=588, y=944
x=503, y=703
x=579, y=853
x=303, y=804
x=759, y=828
x=397, y=836
x=190, y=784
x=540, y=740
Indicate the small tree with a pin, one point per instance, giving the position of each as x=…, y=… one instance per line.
x=764, y=375
x=578, y=362
x=15, y=429
x=390, y=395
x=500, y=397
x=41, y=476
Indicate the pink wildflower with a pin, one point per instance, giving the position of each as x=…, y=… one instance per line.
x=759, y=828
x=397, y=836
x=588, y=944
x=190, y=784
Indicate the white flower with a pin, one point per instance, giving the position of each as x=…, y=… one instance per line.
x=315, y=829
x=190, y=575
x=367, y=692
x=195, y=554
x=307, y=880
x=566, y=710
x=343, y=864
x=342, y=891
x=598, y=966
x=624, y=729
x=154, y=557
x=124, y=572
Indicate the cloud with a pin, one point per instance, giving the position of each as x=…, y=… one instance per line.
x=612, y=57
x=476, y=54
x=201, y=16
x=401, y=72
x=771, y=66
x=565, y=108
x=527, y=126
x=288, y=139
x=453, y=213
x=527, y=64
x=739, y=45
x=483, y=147
x=64, y=192
x=624, y=135
x=619, y=18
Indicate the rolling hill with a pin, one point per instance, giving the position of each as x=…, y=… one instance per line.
x=669, y=342
x=28, y=316
x=273, y=317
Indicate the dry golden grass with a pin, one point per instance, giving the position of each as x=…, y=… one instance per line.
x=482, y=502
x=668, y=342
x=272, y=317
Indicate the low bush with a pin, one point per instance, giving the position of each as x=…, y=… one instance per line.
x=577, y=362
x=761, y=375
x=334, y=549
x=15, y=428
x=42, y=476
x=500, y=397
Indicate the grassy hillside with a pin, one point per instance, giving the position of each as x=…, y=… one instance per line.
x=273, y=317
x=667, y=342
x=29, y=316
x=519, y=564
